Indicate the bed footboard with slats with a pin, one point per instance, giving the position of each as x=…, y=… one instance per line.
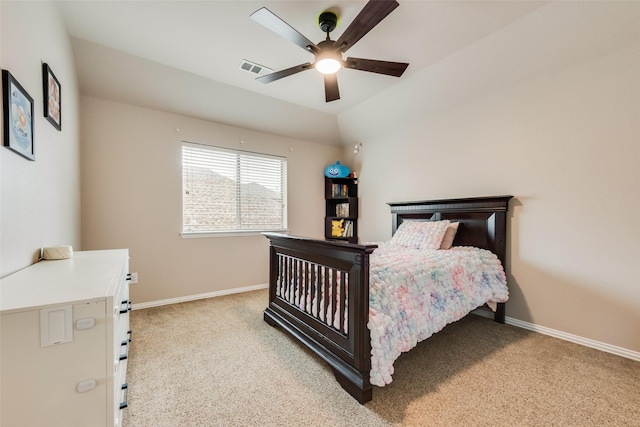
x=319, y=293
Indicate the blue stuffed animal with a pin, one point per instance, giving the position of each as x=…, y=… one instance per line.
x=337, y=170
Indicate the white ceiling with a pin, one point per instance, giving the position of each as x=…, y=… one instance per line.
x=184, y=56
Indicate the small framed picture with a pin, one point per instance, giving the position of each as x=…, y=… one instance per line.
x=52, y=97
x=18, y=117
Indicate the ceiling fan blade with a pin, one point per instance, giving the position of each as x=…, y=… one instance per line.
x=331, y=92
x=284, y=73
x=267, y=18
x=370, y=16
x=373, y=66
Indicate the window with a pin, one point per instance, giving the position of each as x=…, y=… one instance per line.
x=232, y=191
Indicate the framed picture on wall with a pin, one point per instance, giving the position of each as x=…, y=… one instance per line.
x=52, y=97
x=18, y=117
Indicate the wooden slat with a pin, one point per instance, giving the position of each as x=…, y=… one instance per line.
x=309, y=289
x=343, y=294
x=326, y=294
x=316, y=297
x=289, y=276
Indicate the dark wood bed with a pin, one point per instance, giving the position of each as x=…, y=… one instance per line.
x=298, y=263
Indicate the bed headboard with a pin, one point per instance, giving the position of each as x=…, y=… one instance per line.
x=483, y=220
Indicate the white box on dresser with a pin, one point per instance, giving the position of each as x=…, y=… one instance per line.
x=61, y=371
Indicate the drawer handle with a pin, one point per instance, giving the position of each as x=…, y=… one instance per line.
x=86, y=323
x=86, y=385
x=127, y=308
x=125, y=402
x=124, y=344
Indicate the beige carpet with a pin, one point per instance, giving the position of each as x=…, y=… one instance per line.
x=215, y=362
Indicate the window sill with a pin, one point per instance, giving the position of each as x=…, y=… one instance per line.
x=235, y=233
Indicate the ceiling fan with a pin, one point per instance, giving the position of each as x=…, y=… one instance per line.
x=328, y=53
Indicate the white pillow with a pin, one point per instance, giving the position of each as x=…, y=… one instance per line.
x=420, y=234
x=449, y=235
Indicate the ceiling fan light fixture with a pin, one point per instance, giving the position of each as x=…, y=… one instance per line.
x=328, y=65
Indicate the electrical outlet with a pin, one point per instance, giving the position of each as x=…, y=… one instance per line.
x=134, y=278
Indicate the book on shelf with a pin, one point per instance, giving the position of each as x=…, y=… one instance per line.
x=348, y=229
x=339, y=191
x=342, y=210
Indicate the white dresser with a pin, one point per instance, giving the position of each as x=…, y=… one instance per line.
x=65, y=341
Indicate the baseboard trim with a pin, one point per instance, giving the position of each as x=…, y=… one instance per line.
x=618, y=351
x=187, y=298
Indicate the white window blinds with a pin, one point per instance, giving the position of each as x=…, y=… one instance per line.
x=232, y=191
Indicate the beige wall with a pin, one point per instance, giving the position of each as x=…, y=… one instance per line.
x=132, y=195
x=39, y=201
x=566, y=145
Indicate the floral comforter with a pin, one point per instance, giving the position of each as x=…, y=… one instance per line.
x=416, y=293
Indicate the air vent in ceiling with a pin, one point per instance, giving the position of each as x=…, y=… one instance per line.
x=253, y=68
